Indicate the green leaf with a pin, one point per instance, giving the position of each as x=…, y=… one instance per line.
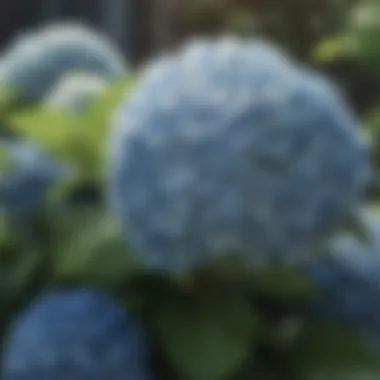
x=332, y=48
x=206, y=338
x=91, y=248
x=94, y=127
x=54, y=130
x=363, y=28
x=8, y=100
x=327, y=351
x=282, y=282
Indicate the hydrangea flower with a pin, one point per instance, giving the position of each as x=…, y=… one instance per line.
x=28, y=177
x=76, y=334
x=228, y=146
x=349, y=284
x=74, y=92
x=36, y=61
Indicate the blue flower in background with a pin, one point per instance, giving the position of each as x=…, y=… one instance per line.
x=78, y=335
x=75, y=92
x=228, y=146
x=29, y=176
x=35, y=62
x=349, y=284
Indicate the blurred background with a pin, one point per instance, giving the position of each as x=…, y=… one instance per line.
x=142, y=28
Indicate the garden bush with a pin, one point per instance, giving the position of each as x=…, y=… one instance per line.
x=205, y=218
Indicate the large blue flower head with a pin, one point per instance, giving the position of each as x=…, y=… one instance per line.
x=228, y=146
x=349, y=284
x=28, y=177
x=78, y=335
x=75, y=92
x=36, y=61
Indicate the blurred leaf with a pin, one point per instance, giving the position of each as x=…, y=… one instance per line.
x=97, y=121
x=206, y=338
x=78, y=139
x=91, y=248
x=59, y=191
x=17, y=269
x=332, y=48
x=52, y=129
x=8, y=99
x=363, y=28
x=327, y=351
x=282, y=282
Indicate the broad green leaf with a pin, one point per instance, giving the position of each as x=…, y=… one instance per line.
x=54, y=130
x=92, y=248
x=282, y=282
x=332, y=48
x=206, y=338
x=326, y=350
x=98, y=117
x=94, y=127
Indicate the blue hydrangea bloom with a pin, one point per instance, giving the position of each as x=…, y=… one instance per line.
x=230, y=147
x=78, y=335
x=75, y=92
x=349, y=284
x=36, y=61
x=28, y=177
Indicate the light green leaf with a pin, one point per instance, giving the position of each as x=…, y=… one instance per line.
x=54, y=130
x=332, y=48
x=207, y=338
x=95, y=125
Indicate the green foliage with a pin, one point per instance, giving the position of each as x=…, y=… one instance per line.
x=208, y=337
x=78, y=139
x=51, y=129
x=363, y=28
x=358, y=38
x=282, y=283
x=326, y=351
x=84, y=238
